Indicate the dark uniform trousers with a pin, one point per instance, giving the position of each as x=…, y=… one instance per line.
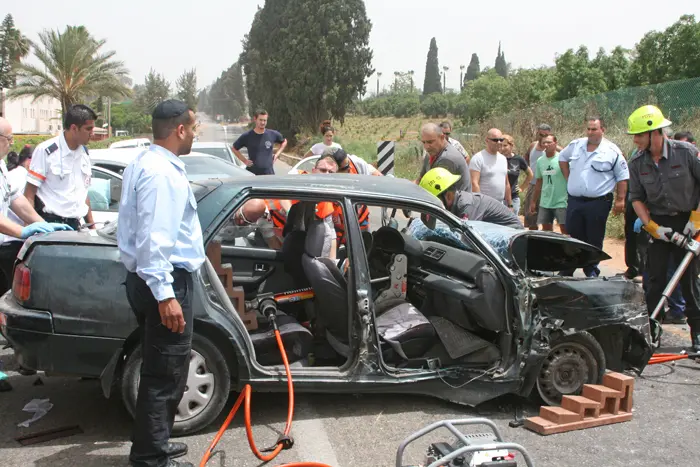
x=261, y=170
x=658, y=262
x=8, y=255
x=585, y=220
x=166, y=360
x=49, y=217
x=632, y=251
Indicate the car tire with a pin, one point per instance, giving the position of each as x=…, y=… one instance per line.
x=206, y=360
x=573, y=361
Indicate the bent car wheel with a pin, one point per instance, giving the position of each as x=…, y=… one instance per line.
x=206, y=390
x=573, y=361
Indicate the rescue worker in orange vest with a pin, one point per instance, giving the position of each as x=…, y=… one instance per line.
x=350, y=164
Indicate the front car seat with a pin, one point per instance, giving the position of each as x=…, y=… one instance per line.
x=406, y=332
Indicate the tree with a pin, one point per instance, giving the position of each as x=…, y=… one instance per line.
x=227, y=94
x=487, y=95
x=501, y=66
x=403, y=83
x=576, y=76
x=304, y=72
x=530, y=87
x=13, y=48
x=431, y=83
x=435, y=105
x=73, y=68
x=187, y=88
x=615, y=67
x=155, y=90
x=473, y=70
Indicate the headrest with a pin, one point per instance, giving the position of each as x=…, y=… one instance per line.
x=317, y=238
x=298, y=216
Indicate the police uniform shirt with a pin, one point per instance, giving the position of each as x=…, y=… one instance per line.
x=7, y=196
x=62, y=177
x=594, y=174
x=673, y=186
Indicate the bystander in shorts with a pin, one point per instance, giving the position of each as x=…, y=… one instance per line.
x=547, y=216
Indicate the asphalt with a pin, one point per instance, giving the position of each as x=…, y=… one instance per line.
x=357, y=430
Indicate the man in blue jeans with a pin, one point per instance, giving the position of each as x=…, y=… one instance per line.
x=260, y=142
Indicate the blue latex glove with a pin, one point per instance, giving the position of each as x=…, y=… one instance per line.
x=638, y=225
x=42, y=227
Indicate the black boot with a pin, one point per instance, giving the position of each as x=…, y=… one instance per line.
x=695, y=339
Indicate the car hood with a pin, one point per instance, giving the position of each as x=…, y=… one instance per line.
x=538, y=250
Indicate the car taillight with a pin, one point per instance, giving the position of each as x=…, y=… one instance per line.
x=22, y=282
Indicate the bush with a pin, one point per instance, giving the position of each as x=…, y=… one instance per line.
x=19, y=141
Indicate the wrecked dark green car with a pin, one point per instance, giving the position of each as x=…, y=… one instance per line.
x=464, y=311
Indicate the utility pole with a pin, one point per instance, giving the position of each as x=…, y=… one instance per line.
x=444, y=79
x=461, y=78
x=379, y=75
x=109, y=117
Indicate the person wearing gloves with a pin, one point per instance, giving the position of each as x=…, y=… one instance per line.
x=665, y=192
x=466, y=205
x=13, y=199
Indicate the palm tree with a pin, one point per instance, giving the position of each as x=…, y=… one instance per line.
x=74, y=69
x=19, y=45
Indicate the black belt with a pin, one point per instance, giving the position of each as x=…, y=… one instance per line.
x=609, y=196
x=40, y=208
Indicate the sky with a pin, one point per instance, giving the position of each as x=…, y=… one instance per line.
x=172, y=36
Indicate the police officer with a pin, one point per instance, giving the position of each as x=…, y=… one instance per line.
x=160, y=243
x=594, y=167
x=59, y=175
x=665, y=193
x=10, y=231
x=442, y=183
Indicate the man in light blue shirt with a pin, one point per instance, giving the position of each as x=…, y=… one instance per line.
x=594, y=168
x=160, y=243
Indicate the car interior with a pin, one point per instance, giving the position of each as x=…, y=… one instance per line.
x=435, y=304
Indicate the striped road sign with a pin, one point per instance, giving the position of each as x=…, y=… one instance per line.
x=385, y=157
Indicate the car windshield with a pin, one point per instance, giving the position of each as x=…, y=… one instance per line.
x=497, y=236
x=221, y=153
x=209, y=167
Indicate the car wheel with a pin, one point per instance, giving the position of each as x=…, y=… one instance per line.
x=573, y=361
x=206, y=390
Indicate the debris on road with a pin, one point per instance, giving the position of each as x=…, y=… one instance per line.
x=598, y=405
x=40, y=407
x=4, y=384
x=48, y=435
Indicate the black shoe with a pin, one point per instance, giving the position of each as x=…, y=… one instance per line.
x=695, y=340
x=631, y=273
x=175, y=450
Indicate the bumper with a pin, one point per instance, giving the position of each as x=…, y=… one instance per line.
x=37, y=347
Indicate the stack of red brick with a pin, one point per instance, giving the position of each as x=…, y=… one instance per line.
x=598, y=405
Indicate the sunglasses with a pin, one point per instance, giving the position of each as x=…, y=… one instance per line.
x=8, y=138
x=344, y=168
x=496, y=140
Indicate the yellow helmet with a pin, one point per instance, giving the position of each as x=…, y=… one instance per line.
x=437, y=180
x=646, y=118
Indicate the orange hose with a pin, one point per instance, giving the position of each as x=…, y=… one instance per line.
x=246, y=396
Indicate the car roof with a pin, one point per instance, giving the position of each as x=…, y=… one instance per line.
x=209, y=144
x=338, y=184
x=124, y=156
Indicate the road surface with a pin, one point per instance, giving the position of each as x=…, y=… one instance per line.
x=355, y=430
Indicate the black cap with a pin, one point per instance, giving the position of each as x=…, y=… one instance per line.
x=169, y=109
x=340, y=155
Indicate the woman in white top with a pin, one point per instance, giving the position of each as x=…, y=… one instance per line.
x=17, y=166
x=328, y=133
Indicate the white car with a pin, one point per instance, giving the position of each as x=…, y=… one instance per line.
x=304, y=165
x=217, y=149
x=131, y=143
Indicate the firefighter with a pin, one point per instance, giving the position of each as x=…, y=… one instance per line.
x=665, y=193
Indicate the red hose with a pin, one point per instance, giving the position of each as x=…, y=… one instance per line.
x=246, y=396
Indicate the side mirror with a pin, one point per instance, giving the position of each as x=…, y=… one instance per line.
x=429, y=221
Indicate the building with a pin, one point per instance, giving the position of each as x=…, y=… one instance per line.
x=28, y=116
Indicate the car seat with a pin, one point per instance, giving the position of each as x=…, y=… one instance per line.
x=405, y=331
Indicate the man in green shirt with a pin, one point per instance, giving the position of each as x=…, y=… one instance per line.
x=550, y=190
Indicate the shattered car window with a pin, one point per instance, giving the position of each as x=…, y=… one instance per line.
x=498, y=236
x=441, y=234
x=109, y=230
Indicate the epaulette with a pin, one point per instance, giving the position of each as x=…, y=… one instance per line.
x=636, y=156
x=51, y=149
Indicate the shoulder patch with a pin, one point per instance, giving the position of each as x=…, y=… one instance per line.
x=51, y=149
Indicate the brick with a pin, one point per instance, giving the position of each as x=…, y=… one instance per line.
x=559, y=415
x=583, y=406
x=622, y=383
x=608, y=398
x=545, y=427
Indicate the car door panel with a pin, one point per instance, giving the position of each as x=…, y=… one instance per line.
x=257, y=266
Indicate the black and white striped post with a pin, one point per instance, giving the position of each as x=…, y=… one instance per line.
x=385, y=157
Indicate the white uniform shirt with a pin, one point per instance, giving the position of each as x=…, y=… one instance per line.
x=594, y=174
x=62, y=178
x=7, y=195
x=17, y=179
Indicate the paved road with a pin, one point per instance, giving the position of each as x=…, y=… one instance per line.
x=357, y=430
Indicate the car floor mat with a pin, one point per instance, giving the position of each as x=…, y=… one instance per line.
x=457, y=341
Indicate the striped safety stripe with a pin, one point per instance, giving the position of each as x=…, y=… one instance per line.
x=36, y=176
